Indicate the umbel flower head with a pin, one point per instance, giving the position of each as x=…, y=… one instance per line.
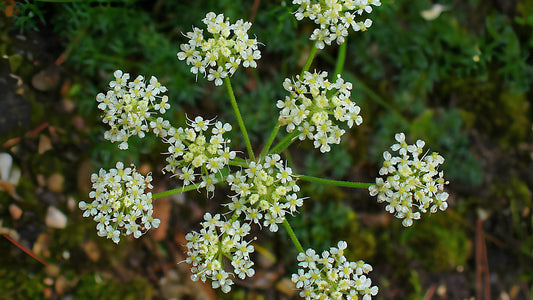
x=217, y=241
x=413, y=183
x=218, y=55
x=334, y=18
x=315, y=107
x=266, y=191
x=196, y=157
x=120, y=206
x=332, y=276
x=128, y=106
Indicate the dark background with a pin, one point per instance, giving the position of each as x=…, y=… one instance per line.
x=460, y=80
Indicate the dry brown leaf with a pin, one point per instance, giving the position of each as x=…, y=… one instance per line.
x=45, y=144
x=47, y=79
x=40, y=247
x=84, y=176
x=9, y=9
x=9, y=188
x=286, y=286
x=162, y=209
x=91, y=250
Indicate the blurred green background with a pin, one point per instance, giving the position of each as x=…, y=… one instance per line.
x=458, y=76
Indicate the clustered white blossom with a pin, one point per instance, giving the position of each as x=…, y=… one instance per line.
x=313, y=99
x=334, y=18
x=120, y=206
x=195, y=157
x=265, y=191
x=217, y=242
x=129, y=105
x=219, y=55
x=332, y=276
x=413, y=184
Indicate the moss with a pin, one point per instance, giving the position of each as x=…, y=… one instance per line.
x=96, y=286
x=18, y=283
x=438, y=242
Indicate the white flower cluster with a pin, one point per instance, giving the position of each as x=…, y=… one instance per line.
x=121, y=206
x=332, y=276
x=265, y=191
x=413, y=184
x=193, y=156
x=334, y=18
x=311, y=102
x=216, y=241
x=128, y=105
x=219, y=56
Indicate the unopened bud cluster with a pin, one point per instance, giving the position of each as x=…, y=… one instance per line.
x=315, y=106
x=413, y=184
x=129, y=105
x=332, y=276
x=265, y=191
x=218, y=242
x=121, y=206
x=219, y=55
x=334, y=18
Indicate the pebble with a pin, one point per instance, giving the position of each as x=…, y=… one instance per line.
x=15, y=211
x=55, y=183
x=55, y=218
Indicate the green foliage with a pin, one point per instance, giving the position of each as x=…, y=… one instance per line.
x=518, y=194
x=335, y=164
x=30, y=14
x=96, y=286
x=19, y=283
x=329, y=221
x=438, y=242
x=503, y=46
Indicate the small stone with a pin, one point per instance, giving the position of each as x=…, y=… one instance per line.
x=55, y=183
x=55, y=218
x=72, y=204
x=15, y=211
x=48, y=281
x=52, y=271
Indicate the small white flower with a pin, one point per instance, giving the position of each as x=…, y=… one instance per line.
x=221, y=55
x=411, y=184
x=331, y=276
x=119, y=197
x=316, y=106
x=128, y=106
x=333, y=18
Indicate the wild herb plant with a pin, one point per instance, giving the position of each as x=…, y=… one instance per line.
x=264, y=189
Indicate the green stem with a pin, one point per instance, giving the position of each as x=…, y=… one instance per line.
x=176, y=191
x=270, y=140
x=363, y=185
x=293, y=236
x=239, y=118
x=374, y=96
x=236, y=163
x=341, y=57
x=285, y=142
x=309, y=60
